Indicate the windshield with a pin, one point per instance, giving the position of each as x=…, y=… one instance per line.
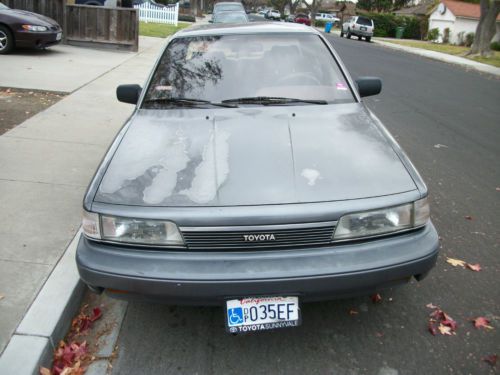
x=230, y=17
x=228, y=7
x=217, y=68
x=3, y=7
x=364, y=21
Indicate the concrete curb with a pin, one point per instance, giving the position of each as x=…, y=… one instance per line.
x=457, y=60
x=47, y=320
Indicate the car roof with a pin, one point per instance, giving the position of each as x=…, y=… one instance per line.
x=227, y=3
x=245, y=28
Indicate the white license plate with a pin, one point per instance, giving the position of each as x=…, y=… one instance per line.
x=59, y=36
x=262, y=313
x=363, y=28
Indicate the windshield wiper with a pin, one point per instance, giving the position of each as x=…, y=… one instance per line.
x=189, y=102
x=266, y=100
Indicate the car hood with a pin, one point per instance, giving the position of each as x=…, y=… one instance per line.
x=24, y=16
x=252, y=156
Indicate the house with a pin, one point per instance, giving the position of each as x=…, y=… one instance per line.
x=460, y=17
x=421, y=10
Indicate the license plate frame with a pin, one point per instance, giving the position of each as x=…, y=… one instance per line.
x=363, y=28
x=240, y=313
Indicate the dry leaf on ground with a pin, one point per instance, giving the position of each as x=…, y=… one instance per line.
x=482, y=322
x=456, y=262
x=491, y=359
x=376, y=298
x=474, y=267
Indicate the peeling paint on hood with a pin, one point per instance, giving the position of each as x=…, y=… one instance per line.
x=252, y=156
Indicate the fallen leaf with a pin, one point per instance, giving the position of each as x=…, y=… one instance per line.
x=353, y=312
x=441, y=321
x=1, y=297
x=432, y=328
x=376, y=298
x=497, y=189
x=468, y=217
x=474, y=267
x=445, y=330
x=491, y=359
x=482, y=322
x=45, y=371
x=456, y=262
x=431, y=306
x=440, y=145
x=97, y=313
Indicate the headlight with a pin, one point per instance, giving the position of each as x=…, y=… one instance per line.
x=129, y=230
x=35, y=28
x=383, y=221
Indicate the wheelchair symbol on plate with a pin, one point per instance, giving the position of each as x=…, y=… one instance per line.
x=235, y=316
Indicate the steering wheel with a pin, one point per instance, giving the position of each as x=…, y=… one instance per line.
x=299, y=78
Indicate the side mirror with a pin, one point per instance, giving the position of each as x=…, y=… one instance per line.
x=368, y=86
x=128, y=93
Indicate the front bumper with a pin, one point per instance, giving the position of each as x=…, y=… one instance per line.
x=208, y=278
x=37, y=39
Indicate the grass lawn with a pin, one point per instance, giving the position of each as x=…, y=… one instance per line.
x=447, y=48
x=160, y=30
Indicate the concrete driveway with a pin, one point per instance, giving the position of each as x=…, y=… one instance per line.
x=61, y=68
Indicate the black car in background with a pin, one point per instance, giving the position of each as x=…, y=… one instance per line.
x=20, y=28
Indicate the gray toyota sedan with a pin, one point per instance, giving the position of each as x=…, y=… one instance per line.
x=252, y=176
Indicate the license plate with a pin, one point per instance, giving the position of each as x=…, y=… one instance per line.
x=261, y=314
x=59, y=36
x=363, y=28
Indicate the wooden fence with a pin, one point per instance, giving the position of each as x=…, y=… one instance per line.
x=85, y=25
x=110, y=27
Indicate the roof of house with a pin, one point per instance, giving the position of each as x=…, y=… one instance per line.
x=419, y=10
x=463, y=9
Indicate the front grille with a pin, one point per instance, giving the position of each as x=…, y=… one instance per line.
x=282, y=236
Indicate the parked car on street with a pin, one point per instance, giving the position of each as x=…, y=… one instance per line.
x=229, y=17
x=303, y=19
x=19, y=28
x=359, y=26
x=326, y=17
x=228, y=7
x=251, y=175
x=273, y=14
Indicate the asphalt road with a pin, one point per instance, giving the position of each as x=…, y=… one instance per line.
x=448, y=121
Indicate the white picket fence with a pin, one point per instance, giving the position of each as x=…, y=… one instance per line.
x=152, y=13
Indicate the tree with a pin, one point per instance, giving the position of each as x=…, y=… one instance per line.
x=293, y=4
x=279, y=5
x=313, y=7
x=486, y=28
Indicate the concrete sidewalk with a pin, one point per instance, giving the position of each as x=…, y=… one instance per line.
x=45, y=166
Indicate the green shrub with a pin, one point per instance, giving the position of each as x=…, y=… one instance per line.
x=461, y=38
x=469, y=39
x=385, y=25
x=495, y=46
x=186, y=18
x=433, y=34
x=320, y=23
x=446, y=35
